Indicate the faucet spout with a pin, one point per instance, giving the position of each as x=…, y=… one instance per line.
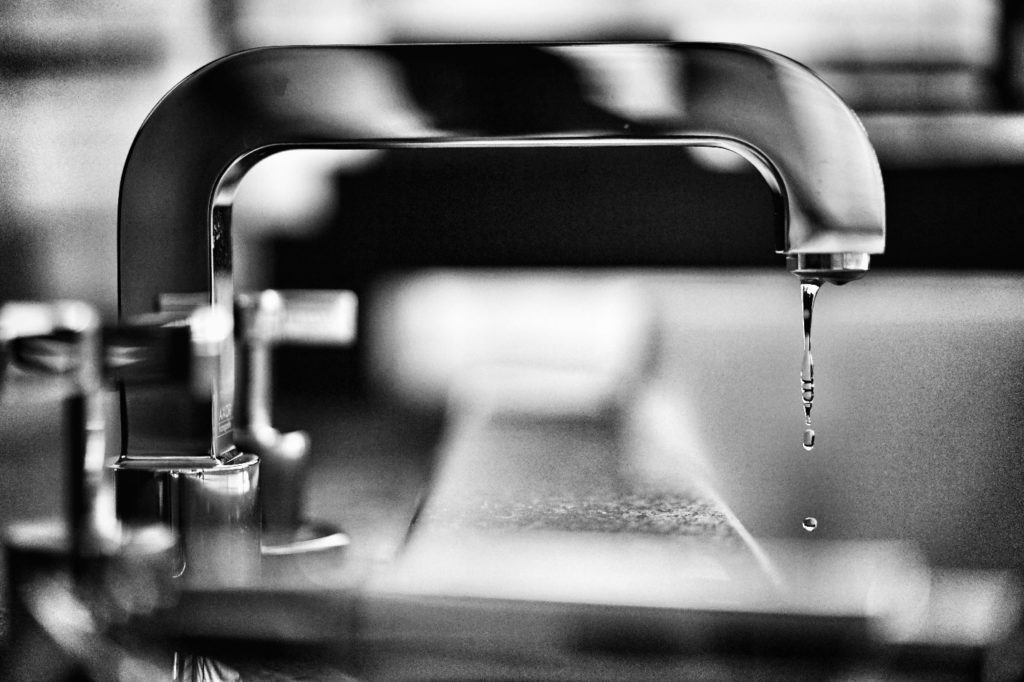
x=178, y=184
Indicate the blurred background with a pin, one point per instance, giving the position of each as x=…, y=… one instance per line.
x=920, y=386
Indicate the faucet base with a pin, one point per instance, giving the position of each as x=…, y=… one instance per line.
x=214, y=510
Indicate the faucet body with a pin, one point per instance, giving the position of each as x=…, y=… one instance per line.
x=179, y=180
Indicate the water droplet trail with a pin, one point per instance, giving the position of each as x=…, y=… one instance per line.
x=808, y=292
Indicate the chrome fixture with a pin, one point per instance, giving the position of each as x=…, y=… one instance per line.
x=72, y=580
x=265, y=320
x=176, y=356
x=181, y=174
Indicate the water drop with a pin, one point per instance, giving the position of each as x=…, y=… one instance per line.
x=808, y=439
x=810, y=523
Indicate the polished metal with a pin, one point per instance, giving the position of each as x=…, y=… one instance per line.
x=212, y=506
x=272, y=318
x=268, y=319
x=264, y=320
x=66, y=338
x=837, y=268
x=180, y=177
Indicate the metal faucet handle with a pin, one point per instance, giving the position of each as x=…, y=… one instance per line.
x=298, y=317
x=52, y=338
x=151, y=349
x=267, y=319
x=272, y=318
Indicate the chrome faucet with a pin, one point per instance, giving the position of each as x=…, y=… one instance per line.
x=189, y=156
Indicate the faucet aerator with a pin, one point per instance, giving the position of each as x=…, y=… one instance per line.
x=835, y=268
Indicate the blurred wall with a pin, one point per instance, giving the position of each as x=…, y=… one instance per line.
x=76, y=82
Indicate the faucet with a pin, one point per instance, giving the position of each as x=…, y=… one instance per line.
x=174, y=220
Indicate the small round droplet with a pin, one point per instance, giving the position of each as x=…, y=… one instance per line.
x=810, y=523
x=808, y=396
x=808, y=439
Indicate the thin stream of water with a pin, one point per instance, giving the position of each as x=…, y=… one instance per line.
x=808, y=292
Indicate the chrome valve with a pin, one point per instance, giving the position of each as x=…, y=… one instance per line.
x=266, y=320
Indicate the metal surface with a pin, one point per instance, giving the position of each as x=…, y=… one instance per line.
x=65, y=338
x=272, y=318
x=70, y=579
x=178, y=184
x=268, y=319
x=213, y=509
x=212, y=506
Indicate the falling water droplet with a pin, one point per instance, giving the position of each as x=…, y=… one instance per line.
x=810, y=523
x=808, y=439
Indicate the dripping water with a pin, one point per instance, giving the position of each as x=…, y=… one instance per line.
x=808, y=292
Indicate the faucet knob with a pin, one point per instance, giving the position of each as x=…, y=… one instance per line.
x=67, y=339
x=268, y=319
x=63, y=338
x=299, y=317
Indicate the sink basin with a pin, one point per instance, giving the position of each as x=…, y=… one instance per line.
x=917, y=408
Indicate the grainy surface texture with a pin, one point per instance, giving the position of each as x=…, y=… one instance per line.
x=623, y=513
